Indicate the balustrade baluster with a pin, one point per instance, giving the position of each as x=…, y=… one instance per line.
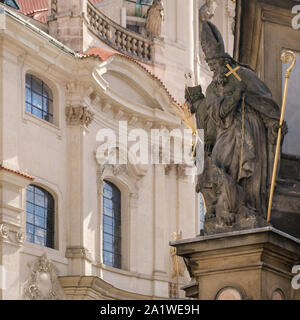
x=119, y=38
x=134, y=46
x=124, y=41
x=140, y=49
x=129, y=44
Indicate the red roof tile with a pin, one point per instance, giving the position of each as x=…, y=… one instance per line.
x=32, y=6
x=41, y=16
x=101, y=53
x=16, y=172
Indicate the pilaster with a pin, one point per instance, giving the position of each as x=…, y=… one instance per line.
x=160, y=236
x=78, y=118
x=12, y=229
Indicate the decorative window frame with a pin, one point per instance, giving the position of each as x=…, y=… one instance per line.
x=54, y=126
x=58, y=221
x=127, y=178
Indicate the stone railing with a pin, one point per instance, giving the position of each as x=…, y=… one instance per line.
x=119, y=38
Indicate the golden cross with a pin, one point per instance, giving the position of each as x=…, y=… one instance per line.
x=233, y=71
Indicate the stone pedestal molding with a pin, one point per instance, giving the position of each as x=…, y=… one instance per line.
x=251, y=264
x=78, y=252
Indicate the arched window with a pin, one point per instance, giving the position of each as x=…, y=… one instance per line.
x=39, y=98
x=39, y=216
x=111, y=225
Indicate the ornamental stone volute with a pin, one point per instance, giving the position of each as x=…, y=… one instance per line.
x=79, y=115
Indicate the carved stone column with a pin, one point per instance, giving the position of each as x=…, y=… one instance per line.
x=12, y=230
x=78, y=118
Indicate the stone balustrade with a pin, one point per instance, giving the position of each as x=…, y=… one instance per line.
x=119, y=38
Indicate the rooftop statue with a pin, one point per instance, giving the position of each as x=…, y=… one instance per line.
x=154, y=19
x=241, y=122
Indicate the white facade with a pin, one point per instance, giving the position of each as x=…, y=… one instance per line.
x=156, y=200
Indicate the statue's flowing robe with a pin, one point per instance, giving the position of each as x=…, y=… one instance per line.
x=253, y=172
x=154, y=20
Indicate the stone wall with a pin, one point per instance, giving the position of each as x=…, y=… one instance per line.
x=60, y=157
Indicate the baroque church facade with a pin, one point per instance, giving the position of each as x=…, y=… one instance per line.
x=69, y=69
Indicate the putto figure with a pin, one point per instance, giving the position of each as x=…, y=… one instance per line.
x=246, y=121
x=155, y=18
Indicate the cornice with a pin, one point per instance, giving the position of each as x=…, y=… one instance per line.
x=85, y=286
x=78, y=252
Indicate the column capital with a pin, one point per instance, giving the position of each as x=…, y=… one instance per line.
x=78, y=115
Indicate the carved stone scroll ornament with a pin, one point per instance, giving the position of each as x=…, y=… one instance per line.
x=20, y=238
x=119, y=169
x=4, y=231
x=4, y=234
x=43, y=283
x=78, y=116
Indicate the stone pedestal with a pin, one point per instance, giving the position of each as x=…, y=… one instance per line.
x=250, y=264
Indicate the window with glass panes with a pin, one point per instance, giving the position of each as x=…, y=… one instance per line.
x=111, y=225
x=39, y=98
x=39, y=216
